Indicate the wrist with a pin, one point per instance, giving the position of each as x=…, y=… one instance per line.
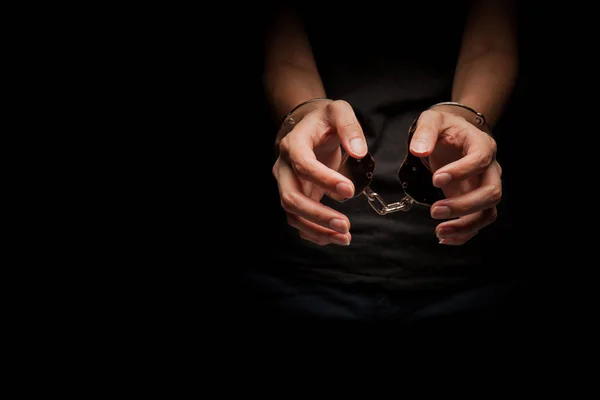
x=465, y=112
x=293, y=117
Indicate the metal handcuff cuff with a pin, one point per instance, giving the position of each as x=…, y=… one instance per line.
x=415, y=174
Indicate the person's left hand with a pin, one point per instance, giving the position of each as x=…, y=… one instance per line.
x=464, y=166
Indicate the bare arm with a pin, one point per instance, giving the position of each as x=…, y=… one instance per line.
x=290, y=76
x=488, y=61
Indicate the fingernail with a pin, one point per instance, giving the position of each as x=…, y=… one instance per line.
x=445, y=233
x=442, y=179
x=358, y=146
x=444, y=241
x=340, y=240
x=344, y=189
x=420, y=146
x=440, y=212
x=339, y=225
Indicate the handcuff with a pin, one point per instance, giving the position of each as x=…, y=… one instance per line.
x=414, y=174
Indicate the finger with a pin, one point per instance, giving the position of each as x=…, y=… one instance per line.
x=298, y=151
x=426, y=133
x=339, y=239
x=342, y=117
x=308, y=227
x=487, y=195
x=457, y=241
x=316, y=233
x=467, y=225
x=294, y=201
x=480, y=151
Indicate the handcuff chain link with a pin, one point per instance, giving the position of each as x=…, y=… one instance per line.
x=378, y=204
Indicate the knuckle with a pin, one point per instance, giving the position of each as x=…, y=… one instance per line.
x=292, y=220
x=431, y=115
x=450, y=137
x=301, y=167
x=484, y=159
x=339, y=104
x=332, y=109
x=488, y=158
x=285, y=147
x=495, y=193
x=350, y=126
x=493, y=145
x=352, y=130
x=289, y=201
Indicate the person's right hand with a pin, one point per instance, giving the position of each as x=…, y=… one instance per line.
x=306, y=169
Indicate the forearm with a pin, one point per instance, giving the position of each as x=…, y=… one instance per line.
x=487, y=67
x=288, y=85
x=290, y=76
x=485, y=83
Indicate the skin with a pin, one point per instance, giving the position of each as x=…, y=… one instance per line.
x=461, y=156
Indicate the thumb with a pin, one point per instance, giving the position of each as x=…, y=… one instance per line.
x=426, y=134
x=342, y=117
